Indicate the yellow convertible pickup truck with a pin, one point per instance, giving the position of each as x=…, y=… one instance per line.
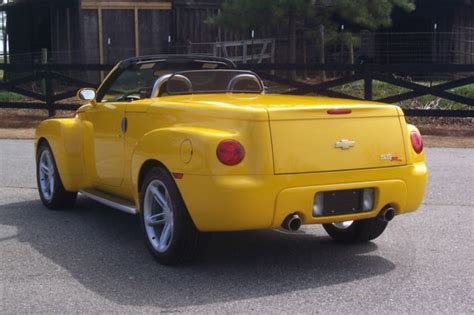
x=192, y=145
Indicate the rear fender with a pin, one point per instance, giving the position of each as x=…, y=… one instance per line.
x=192, y=151
x=180, y=150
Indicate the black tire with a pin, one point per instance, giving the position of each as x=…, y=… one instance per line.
x=183, y=244
x=359, y=231
x=58, y=198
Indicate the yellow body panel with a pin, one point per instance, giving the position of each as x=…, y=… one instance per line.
x=290, y=154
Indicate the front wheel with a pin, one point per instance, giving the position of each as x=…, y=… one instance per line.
x=356, y=231
x=169, y=232
x=50, y=187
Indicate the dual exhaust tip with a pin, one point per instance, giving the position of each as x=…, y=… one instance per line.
x=387, y=214
x=293, y=222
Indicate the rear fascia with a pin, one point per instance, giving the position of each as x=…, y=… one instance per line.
x=232, y=203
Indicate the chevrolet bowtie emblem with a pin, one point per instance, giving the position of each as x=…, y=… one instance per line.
x=344, y=144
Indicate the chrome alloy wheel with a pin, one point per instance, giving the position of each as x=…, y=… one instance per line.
x=343, y=225
x=46, y=174
x=158, y=215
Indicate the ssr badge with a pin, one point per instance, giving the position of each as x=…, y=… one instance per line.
x=389, y=157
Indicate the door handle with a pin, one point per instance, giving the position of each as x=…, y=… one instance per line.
x=123, y=125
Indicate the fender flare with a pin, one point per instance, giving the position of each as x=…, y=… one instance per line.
x=65, y=138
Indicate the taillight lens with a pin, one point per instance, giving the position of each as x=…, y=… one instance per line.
x=416, y=142
x=230, y=152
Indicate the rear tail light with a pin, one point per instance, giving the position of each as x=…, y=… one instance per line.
x=416, y=142
x=230, y=152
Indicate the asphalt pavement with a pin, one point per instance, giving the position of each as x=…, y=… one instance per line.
x=91, y=259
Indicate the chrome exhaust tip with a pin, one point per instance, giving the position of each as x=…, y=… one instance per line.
x=292, y=223
x=387, y=214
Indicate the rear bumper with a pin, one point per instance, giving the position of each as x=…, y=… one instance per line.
x=231, y=203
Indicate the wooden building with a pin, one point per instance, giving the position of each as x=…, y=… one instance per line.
x=188, y=21
x=105, y=31
x=438, y=31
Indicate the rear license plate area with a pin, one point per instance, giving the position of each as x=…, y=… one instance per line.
x=342, y=202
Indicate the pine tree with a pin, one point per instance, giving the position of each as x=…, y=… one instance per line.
x=261, y=15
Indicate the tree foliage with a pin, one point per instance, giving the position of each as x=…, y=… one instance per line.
x=244, y=15
x=371, y=14
x=266, y=15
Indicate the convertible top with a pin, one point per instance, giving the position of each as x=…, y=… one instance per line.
x=144, y=71
x=192, y=60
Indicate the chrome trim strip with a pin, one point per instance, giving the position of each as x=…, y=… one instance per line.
x=110, y=203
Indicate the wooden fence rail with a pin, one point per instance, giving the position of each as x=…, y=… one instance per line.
x=464, y=75
x=384, y=73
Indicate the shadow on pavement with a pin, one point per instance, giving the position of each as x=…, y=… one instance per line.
x=103, y=250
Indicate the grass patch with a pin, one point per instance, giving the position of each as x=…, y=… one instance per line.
x=382, y=90
x=379, y=89
x=6, y=96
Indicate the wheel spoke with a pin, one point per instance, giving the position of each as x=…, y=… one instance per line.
x=160, y=199
x=156, y=219
x=44, y=168
x=51, y=185
x=165, y=235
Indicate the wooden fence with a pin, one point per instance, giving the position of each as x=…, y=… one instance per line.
x=52, y=93
x=241, y=51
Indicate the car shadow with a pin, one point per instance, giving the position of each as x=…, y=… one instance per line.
x=103, y=250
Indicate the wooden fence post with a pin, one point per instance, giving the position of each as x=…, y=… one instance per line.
x=368, y=95
x=350, y=47
x=49, y=91
x=214, y=50
x=44, y=60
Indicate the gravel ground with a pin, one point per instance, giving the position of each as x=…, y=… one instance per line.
x=91, y=259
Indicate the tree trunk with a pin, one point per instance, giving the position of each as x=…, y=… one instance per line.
x=305, y=58
x=351, y=55
x=292, y=42
x=322, y=58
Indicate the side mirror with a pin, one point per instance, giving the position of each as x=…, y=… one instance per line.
x=86, y=94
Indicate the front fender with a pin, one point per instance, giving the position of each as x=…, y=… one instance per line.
x=65, y=137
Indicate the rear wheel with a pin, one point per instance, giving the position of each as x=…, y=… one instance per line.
x=50, y=187
x=356, y=231
x=169, y=232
